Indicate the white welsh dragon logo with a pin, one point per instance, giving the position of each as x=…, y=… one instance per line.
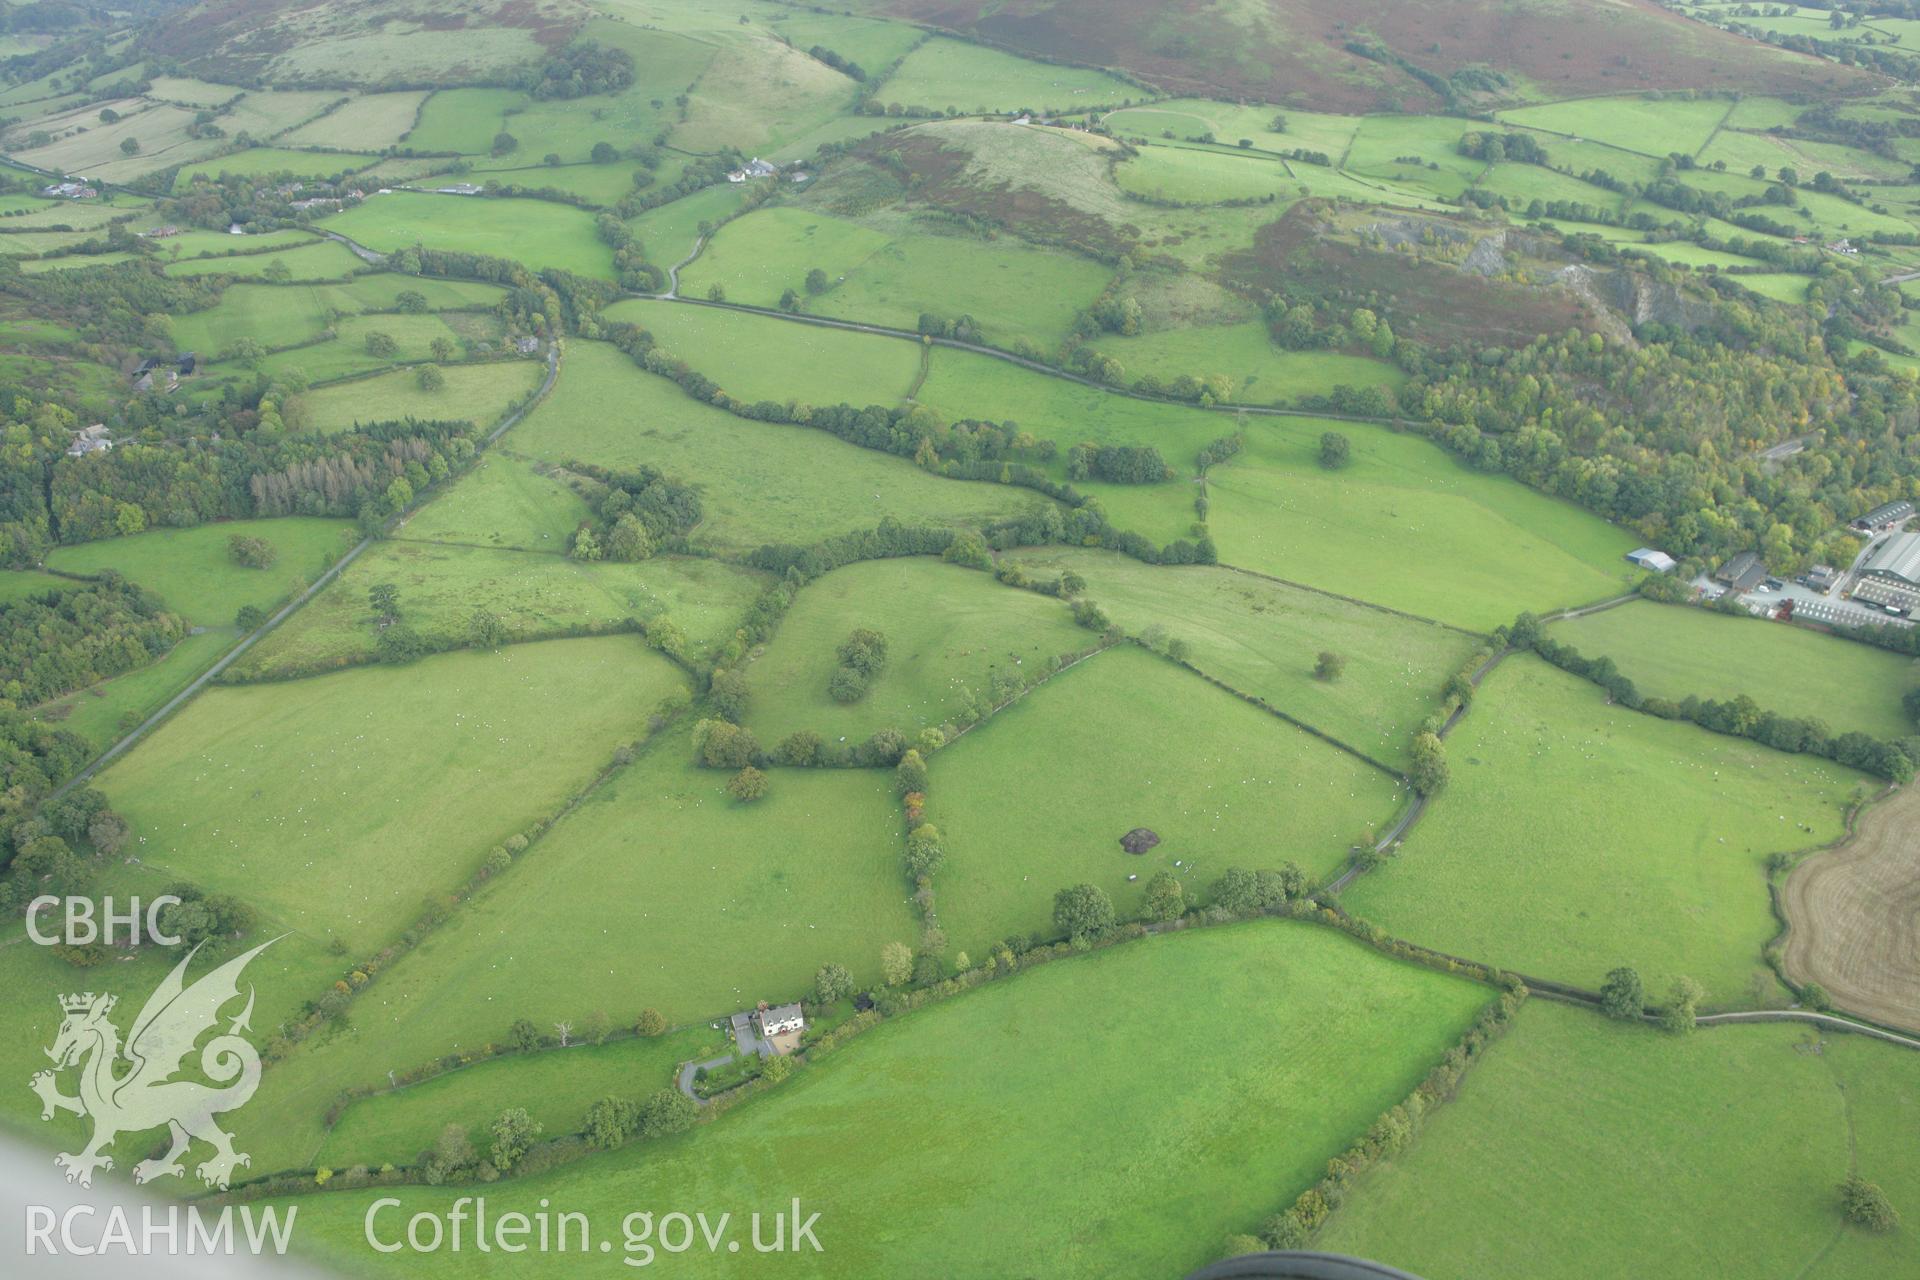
x=128, y=1090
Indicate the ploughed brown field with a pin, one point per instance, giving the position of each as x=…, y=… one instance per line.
x=1854, y=913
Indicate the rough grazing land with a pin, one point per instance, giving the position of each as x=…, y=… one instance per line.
x=1854, y=915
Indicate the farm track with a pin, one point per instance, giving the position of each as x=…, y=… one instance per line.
x=1853, y=915
x=285, y=611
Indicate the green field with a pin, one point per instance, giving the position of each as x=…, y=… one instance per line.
x=1586, y=1112
x=284, y=315
x=262, y=161
x=321, y=260
x=891, y=276
x=371, y=120
x=240, y=791
x=1037, y=798
x=1187, y=175
x=536, y=233
x=192, y=570
x=968, y=77
x=1651, y=126
x=1263, y=637
x=534, y=594
x=1407, y=525
x=1676, y=652
x=761, y=358
x=949, y=632
x=759, y=482
x=502, y=502
x=1261, y=372
x=476, y=393
x=104, y=712
x=556, y=1087
x=1644, y=841
x=922, y=1162
x=624, y=905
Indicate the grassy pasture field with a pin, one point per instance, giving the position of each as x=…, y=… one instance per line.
x=555, y=1087
x=920, y=1161
x=533, y=593
x=462, y=120
x=624, y=905
x=536, y=233
x=948, y=629
x=763, y=358
x=871, y=44
x=241, y=790
x=759, y=482
x=477, y=393
x=1262, y=372
x=197, y=242
x=346, y=354
x=892, y=276
x=1644, y=841
x=192, y=570
x=1671, y=652
x=270, y=160
x=1189, y=175
x=316, y=260
x=1263, y=637
x=1407, y=525
x=1382, y=147
x=669, y=231
x=289, y=314
x=946, y=73
x=1650, y=126
x=502, y=502
x=1584, y=1111
x=1037, y=798
x=366, y=121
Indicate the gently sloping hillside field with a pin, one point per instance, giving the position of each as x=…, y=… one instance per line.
x=285, y=315
x=476, y=393
x=1651, y=126
x=1406, y=524
x=106, y=711
x=535, y=233
x=1853, y=915
x=502, y=502
x=659, y=891
x=370, y=121
x=313, y=260
x=1261, y=372
x=1725, y=1148
x=763, y=358
x=556, y=1087
x=945, y=74
x=758, y=93
x=1576, y=836
x=950, y=631
x=759, y=482
x=1037, y=798
x=893, y=274
x=962, y=384
x=1673, y=652
x=923, y=1159
x=273, y=160
x=339, y=803
x=533, y=594
x=346, y=355
x=1263, y=638
x=195, y=573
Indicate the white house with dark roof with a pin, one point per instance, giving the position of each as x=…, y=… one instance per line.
x=784, y=1019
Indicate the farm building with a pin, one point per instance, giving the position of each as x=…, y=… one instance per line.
x=1886, y=593
x=86, y=440
x=784, y=1019
x=1743, y=572
x=1822, y=576
x=1885, y=516
x=1651, y=560
x=1897, y=559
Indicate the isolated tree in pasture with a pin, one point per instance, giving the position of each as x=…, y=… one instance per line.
x=380, y=343
x=817, y=281
x=1864, y=1204
x=747, y=785
x=1335, y=450
x=1329, y=665
x=384, y=599
x=431, y=378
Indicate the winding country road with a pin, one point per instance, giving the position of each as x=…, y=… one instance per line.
x=285, y=611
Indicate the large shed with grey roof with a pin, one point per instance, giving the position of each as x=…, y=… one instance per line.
x=1898, y=558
